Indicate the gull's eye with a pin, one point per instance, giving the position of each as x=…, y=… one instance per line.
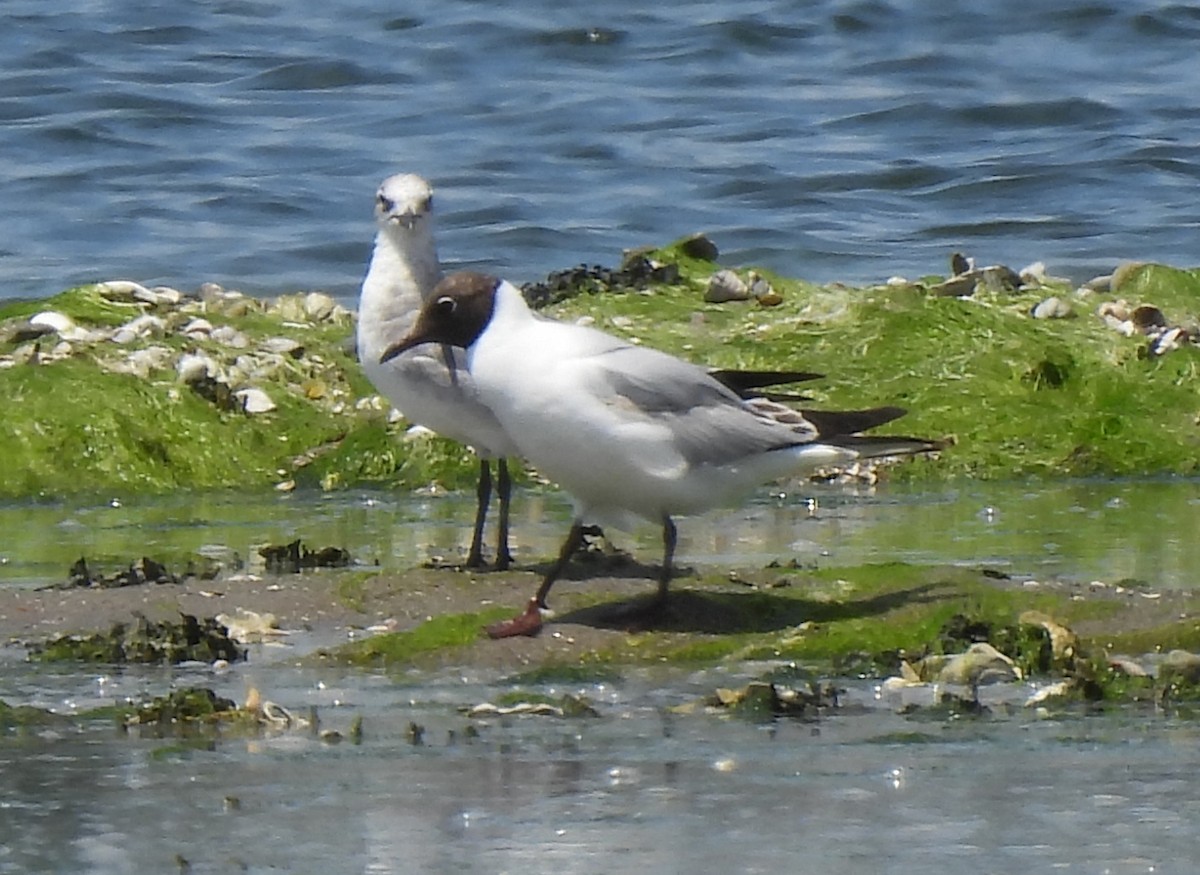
x=446, y=305
x=427, y=204
x=385, y=203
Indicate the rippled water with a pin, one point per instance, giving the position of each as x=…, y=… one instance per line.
x=864, y=788
x=241, y=141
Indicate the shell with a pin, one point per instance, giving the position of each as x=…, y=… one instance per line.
x=255, y=400
x=193, y=367
x=725, y=285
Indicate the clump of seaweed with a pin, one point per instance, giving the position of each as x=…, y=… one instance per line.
x=144, y=641
x=295, y=557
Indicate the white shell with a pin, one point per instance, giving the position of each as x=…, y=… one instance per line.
x=255, y=400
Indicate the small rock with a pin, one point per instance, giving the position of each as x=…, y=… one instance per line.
x=240, y=306
x=699, y=246
x=981, y=663
x=284, y=346
x=227, y=302
x=251, y=627
x=255, y=400
x=198, y=329
x=1147, y=318
x=227, y=335
x=1124, y=271
x=129, y=292
x=1034, y=274
x=762, y=291
x=725, y=285
x=1180, y=665
x=289, y=309
x=27, y=354
x=318, y=306
x=1063, y=642
x=52, y=320
x=1052, y=308
x=1001, y=278
x=24, y=330
x=168, y=296
x=142, y=362
x=143, y=326
x=962, y=286
x=194, y=367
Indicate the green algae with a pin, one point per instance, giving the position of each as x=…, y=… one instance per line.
x=77, y=427
x=437, y=635
x=84, y=304
x=861, y=621
x=19, y=719
x=1022, y=397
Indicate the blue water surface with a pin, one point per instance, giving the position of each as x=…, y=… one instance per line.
x=241, y=141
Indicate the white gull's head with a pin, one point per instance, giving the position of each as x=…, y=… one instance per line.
x=404, y=200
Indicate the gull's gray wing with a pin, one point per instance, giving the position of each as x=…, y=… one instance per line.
x=441, y=367
x=706, y=423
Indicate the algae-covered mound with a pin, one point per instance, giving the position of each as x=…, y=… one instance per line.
x=116, y=388
x=113, y=387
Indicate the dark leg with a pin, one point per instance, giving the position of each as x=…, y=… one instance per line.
x=482, y=496
x=504, y=485
x=664, y=577
x=574, y=539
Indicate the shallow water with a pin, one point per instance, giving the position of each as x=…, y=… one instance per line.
x=242, y=141
x=1078, y=530
x=863, y=788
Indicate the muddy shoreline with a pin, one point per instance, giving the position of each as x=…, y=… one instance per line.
x=595, y=620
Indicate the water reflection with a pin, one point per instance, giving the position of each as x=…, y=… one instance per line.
x=867, y=790
x=1108, y=530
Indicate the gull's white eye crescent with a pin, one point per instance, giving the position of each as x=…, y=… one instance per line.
x=446, y=305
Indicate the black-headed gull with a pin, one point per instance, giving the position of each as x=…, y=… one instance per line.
x=625, y=429
x=429, y=384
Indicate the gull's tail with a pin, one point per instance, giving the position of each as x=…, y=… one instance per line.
x=750, y=384
x=870, y=446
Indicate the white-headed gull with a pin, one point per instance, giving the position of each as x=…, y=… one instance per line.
x=429, y=384
x=626, y=429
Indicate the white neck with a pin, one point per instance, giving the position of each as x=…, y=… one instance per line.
x=404, y=269
x=510, y=305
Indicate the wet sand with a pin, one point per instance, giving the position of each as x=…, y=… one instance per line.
x=595, y=608
x=334, y=606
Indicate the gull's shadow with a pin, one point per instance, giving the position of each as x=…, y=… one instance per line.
x=620, y=565
x=716, y=613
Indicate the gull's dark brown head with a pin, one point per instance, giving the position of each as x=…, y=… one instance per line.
x=457, y=312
